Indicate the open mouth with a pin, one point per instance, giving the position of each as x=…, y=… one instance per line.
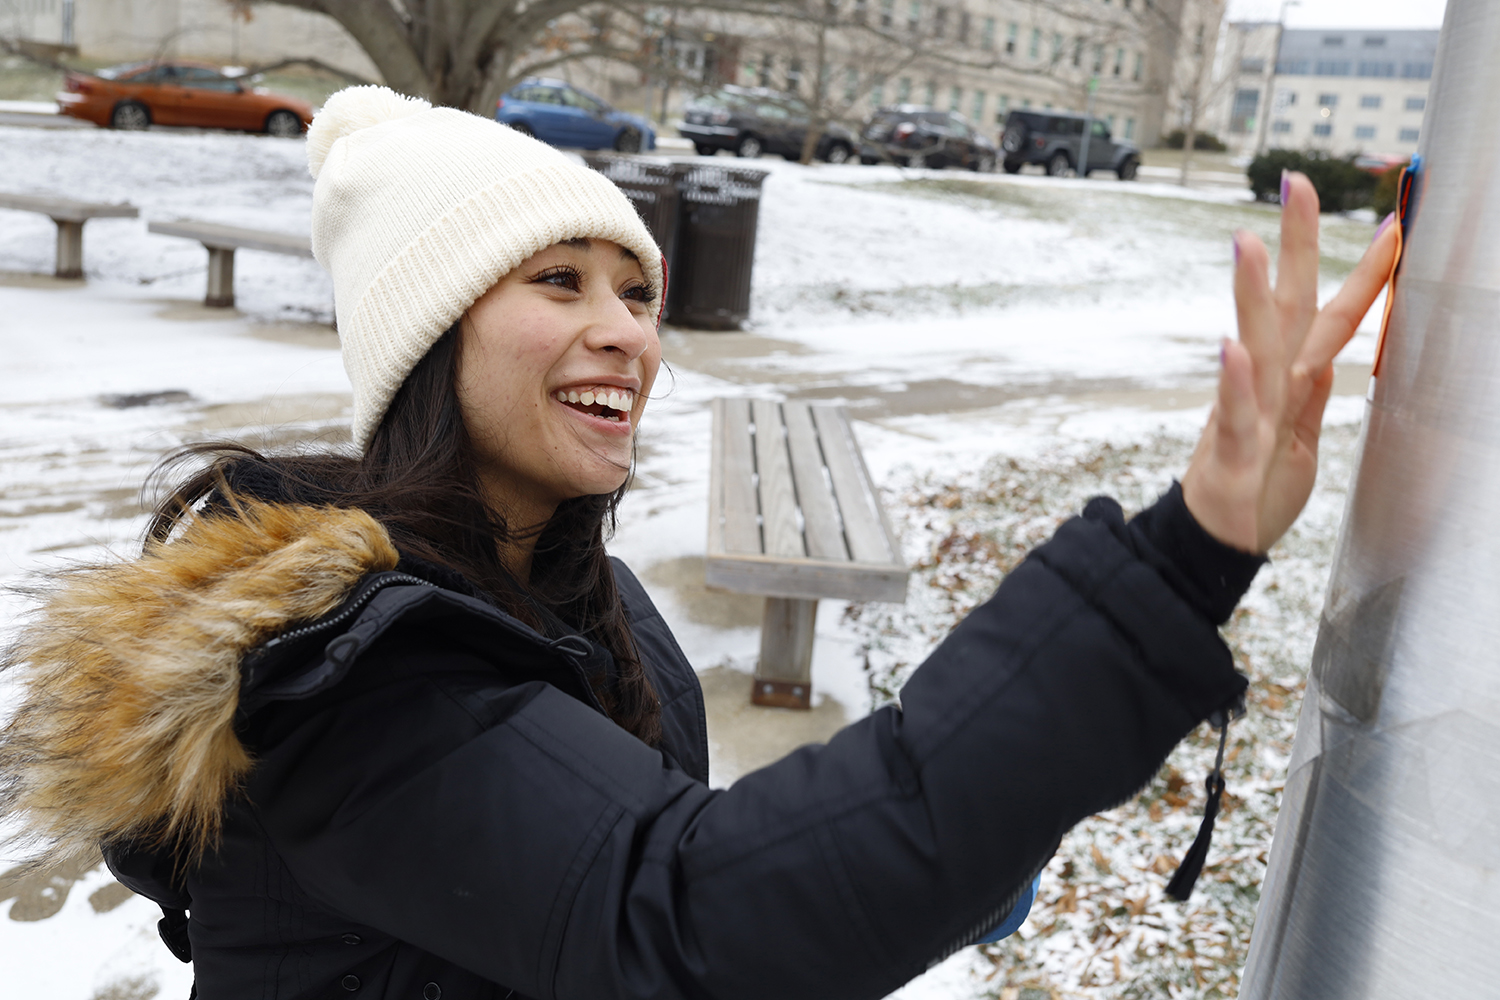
x=605, y=402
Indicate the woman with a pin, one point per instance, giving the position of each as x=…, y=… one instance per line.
x=393, y=724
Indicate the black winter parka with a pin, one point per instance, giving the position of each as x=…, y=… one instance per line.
x=438, y=808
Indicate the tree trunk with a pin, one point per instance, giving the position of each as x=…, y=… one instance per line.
x=1189, y=136
x=818, y=119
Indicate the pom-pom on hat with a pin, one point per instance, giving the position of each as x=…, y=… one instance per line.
x=418, y=211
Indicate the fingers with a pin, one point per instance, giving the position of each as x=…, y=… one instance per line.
x=1309, y=417
x=1338, y=320
x=1297, y=265
x=1236, y=411
x=1255, y=309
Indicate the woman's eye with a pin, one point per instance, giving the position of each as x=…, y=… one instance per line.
x=639, y=293
x=561, y=277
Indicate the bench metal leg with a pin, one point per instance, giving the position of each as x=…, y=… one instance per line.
x=220, y=278
x=783, y=677
x=69, y=249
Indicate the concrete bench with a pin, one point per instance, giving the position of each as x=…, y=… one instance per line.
x=794, y=516
x=69, y=215
x=221, y=242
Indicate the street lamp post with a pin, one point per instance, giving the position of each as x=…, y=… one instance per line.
x=1265, y=107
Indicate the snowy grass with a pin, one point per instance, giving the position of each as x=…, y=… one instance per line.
x=1101, y=928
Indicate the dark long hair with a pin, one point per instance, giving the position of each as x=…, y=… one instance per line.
x=418, y=477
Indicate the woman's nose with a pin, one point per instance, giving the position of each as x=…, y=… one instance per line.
x=616, y=327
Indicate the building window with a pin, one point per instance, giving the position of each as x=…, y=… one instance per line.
x=1417, y=71
x=931, y=94
x=1368, y=68
x=1078, y=51
x=1323, y=130
x=1057, y=47
x=978, y=114
x=1242, y=112
x=887, y=13
x=1374, y=41
x=1364, y=131
x=1292, y=67
x=1129, y=129
x=1025, y=102
x=1098, y=59
x=1409, y=135
x=1002, y=108
x=903, y=90
x=1328, y=100
x=1140, y=66
x=861, y=11
x=1119, y=61
x=1253, y=66
x=877, y=95
x=1286, y=98
x=1281, y=126
x=964, y=23
x=1035, y=48
x=1010, y=38
x=794, y=75
x=939, y=22
x=987, y=41
x=1416, y=104
x=955, y=99
x=1111, y=120
x=766, y=61
x=851, y=85
x=914, y=16
x=1333, y=41
x=1331, y=67
x=1370, y=101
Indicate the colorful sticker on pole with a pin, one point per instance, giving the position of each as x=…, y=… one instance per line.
x=1406, y=200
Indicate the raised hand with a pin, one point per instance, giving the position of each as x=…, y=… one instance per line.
x=1254, y=466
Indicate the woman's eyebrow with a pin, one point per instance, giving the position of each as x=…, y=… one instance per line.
x=577, y=243
x=628, y=254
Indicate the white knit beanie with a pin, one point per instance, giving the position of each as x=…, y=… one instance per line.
x=418, y=211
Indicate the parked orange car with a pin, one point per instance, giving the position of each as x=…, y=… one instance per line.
x=137, y=95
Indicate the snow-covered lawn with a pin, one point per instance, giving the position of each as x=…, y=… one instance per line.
x=1008, y=345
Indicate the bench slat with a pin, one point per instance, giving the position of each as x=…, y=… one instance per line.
x=810, y=579
x=220, y=237
x=66, y=209
x=824, y=534
x=741, y=512
x=863, y=522
x=778, y=501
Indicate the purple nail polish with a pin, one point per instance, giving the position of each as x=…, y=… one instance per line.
x=1221, y=354
x=1286, y=186
x=1236, y=241
x=1385, y=224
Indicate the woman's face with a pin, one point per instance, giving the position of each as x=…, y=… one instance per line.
x=555, y=364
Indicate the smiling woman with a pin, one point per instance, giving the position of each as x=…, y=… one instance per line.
x=389, y=720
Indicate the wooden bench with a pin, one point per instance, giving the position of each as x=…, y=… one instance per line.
x=794, y=516
x=69, y=215
x=221, y=242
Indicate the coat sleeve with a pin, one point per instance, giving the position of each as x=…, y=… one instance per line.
x=518, y=833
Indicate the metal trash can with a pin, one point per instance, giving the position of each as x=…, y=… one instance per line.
x=651, y=186
x=718, y=209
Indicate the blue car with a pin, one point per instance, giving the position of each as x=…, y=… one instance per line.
x=560, y=114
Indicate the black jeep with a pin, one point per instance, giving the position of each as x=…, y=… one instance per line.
x=1053, y=139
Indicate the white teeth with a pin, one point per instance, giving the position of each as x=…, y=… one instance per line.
x=614, y=402
x=587, y=399
x=562, y=397
x=572, y=397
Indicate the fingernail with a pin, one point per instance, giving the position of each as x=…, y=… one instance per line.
x=1286, y=185
x=1222, y=346
x=1236, y=240
x=1385, y=224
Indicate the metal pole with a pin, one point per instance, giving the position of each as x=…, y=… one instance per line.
x=1088, y=127
x=1267, y=106
x=67, y=23
x=1384, y=878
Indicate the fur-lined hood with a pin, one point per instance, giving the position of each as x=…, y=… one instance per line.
x=130, y=674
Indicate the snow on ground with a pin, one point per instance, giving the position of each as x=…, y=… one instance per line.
x=967, y=321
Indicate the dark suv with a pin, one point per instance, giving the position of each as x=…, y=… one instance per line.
x=917, y=136
x=1053, y=139
x=750, y=121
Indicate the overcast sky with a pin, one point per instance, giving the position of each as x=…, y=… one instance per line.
x=1344, y=13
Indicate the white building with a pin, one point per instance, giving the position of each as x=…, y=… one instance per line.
x=1342, y=91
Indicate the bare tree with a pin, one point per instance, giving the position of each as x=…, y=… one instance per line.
x=1200, y=23
x=466, y=53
